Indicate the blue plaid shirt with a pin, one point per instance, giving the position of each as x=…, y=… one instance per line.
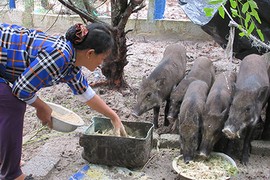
x=30, y=60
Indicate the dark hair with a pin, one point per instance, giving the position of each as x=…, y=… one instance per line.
x=98, y=37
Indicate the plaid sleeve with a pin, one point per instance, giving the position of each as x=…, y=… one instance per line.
x=79, y=85
x=47, y=69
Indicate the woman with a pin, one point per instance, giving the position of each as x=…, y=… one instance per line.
x=31, y=60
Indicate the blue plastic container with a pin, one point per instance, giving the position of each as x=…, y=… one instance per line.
x=12, y=4
x=81, y=174
x=159, y=9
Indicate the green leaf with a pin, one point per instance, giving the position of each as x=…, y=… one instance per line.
x=253, y=4
x=234, y=12
x=233, y=3
x=251, y=28
x=254, y=13
x=241, y=34
x=208, y=11
x=215, y=2
x=245, y=7
x=247, y=19
x=221, y=12
x=259, y=32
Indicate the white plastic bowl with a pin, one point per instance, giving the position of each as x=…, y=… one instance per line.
x=222, y=155
x=63, y=125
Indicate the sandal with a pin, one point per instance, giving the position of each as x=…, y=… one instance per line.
x=29, y=177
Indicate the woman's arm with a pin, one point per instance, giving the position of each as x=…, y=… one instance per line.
x=97, y=104
x=43, y=112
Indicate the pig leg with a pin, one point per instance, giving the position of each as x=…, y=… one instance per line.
x=175, y=127
x=167, y=107
x=221, y=144
x=266, y=130
x=247, y=145
x=229, y=147
x=156, y=114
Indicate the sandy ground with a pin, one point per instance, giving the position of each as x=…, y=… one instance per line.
x=146, y=54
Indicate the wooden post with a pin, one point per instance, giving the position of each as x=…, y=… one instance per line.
x=150, y=11
x=27, y=14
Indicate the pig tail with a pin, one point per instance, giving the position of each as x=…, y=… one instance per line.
x=95, y=36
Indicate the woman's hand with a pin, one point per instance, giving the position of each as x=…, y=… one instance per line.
x=100, y=106
x=119, y=131
x=43, y=112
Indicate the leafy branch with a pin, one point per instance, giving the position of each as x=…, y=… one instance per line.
x=246, y=12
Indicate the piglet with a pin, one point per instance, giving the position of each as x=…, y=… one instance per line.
x=190, y=118
x=157, y=87
x=251, y=95
x=216, y=111
x=202, y=69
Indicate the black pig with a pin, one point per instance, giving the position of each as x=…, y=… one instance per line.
x=251, y=94
x=202, y=69
x=216, y=111
x=157, y=87
x=266, y=129
x=190, y=118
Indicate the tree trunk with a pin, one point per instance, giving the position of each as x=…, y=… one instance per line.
x=113, y=66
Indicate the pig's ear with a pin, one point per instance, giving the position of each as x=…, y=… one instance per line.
x=234, y=88
x=263, y=93
x=197, y=117
x=143, y=79
x=160, y=82
x=205, y=109
x=232, y=76
x=224, y=112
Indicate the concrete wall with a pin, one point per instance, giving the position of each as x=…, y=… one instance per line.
x=164, y=29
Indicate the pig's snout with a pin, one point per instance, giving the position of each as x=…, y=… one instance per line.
x=238, y=134
x=172, y=114
x=187, y=159
x=137, y=111
x=134, y=114
x=230, y=133
x=203, y=155
x=170, y=117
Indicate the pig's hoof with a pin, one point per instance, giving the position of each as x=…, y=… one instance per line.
x=244, y=160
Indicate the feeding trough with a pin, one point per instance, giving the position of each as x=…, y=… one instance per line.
x=101, y=147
